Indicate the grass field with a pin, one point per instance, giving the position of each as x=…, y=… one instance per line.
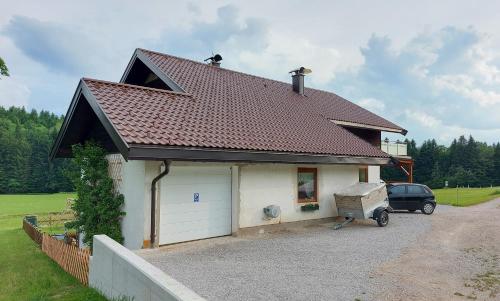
x=26, y=273
x=465, y=196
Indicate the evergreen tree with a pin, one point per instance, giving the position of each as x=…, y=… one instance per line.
x=26, y=140
x=466, y=162
x=426, y=160
x=496, y=165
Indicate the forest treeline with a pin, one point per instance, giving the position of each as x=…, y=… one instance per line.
x=27, y=137
x=466, y=162
x=25, y=142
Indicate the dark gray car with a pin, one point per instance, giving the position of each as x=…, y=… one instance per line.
x=411, y=197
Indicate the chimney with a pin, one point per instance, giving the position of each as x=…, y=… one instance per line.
x=298, y=79
x=214, y=60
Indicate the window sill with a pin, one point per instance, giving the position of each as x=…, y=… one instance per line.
x=306, y=202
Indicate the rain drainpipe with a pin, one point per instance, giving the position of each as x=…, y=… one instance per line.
x=153, y=202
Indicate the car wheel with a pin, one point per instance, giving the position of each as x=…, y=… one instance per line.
x=412, y=210
x=383, y=219
x=428, y=208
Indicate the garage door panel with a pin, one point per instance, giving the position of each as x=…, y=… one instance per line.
x=175, y=217
x=188, y=225
x=198, y=207
x=183, y=219
x=185, y=195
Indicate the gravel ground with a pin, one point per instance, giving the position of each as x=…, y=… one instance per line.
x=458, y=260
x=296, y=263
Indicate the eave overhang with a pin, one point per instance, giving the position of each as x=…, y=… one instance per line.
x=151, y=152
x=368, y=126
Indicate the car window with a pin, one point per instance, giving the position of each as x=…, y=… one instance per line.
x=397, y=189
x=414, y=189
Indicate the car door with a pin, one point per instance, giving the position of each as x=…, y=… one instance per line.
x=396, y=196
x=414, y=196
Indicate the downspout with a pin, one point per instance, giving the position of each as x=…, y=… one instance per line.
x=153, y=202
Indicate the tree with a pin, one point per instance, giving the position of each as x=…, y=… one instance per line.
x=428, y=156
x=3, y=68
x=464, y=162
x=26, y=140
x=97, y=207
x=412, y=148
x=496, y=164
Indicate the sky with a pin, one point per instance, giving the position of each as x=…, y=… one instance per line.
x=432, y=67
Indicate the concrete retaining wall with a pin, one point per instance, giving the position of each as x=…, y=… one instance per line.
x=118, y=272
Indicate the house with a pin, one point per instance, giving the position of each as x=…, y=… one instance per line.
x=199, y=151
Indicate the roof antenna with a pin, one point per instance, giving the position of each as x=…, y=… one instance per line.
x=214, y=60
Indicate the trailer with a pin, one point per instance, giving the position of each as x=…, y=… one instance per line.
x=363, y=201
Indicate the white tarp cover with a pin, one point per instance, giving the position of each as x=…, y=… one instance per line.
x=360, y=189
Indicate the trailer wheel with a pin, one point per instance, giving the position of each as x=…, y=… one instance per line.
x=383, y=219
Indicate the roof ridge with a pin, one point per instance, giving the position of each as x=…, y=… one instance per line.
x=228, y=70
x=136, y=86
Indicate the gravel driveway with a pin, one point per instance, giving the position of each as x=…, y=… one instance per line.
x=458, y=260
x=298, y=263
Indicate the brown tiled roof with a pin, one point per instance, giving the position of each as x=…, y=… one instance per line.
x=210, y=83
x=224, y=112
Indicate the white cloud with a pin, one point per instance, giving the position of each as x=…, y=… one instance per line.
x=423, y=118
x=441, y=83
x=13, y=92
x=467, y=86
x=283, y=54
x=444, y=133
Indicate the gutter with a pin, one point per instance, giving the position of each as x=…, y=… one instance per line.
x=153, y=202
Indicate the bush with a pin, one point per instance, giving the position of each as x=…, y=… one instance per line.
x=97, y=208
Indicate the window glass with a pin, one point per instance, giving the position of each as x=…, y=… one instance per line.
x=400, y=189
x=307, y=178
x=413, y=189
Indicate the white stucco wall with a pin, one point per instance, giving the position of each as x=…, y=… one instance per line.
x=253, y=187
x=373, y=174
x=276, y=184
x=133, y=190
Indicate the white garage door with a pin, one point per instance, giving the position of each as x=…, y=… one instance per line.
x=195, y=203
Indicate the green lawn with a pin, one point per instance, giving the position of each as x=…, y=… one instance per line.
x=466, y=196
x=26, y=273
x=21, y=204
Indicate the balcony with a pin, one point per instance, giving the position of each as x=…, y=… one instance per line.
x=396, y=149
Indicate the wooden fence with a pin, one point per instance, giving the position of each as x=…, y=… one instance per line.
x=72, y=259
x=55, y=218
x=33, y=232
